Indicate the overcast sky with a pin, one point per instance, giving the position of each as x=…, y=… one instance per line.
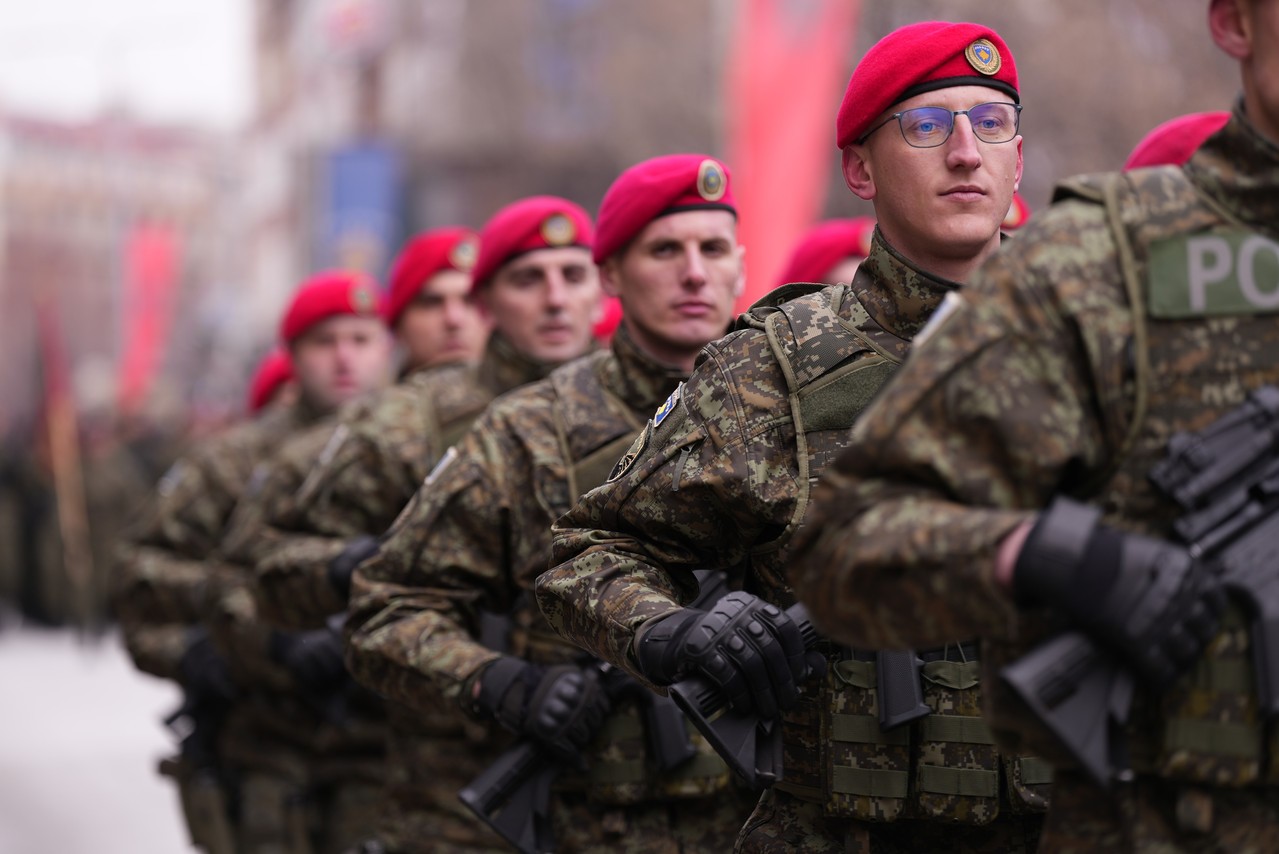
x=184, y=61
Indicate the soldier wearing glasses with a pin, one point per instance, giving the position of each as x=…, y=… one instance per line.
x=721, y=475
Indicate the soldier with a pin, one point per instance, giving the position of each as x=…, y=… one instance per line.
x=478, y=532
x=326, y=497
x=720, y=479
x=830, y=252
x=170, y=567
x=998, y=488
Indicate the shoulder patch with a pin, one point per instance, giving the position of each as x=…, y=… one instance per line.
x=634, y=451
x=949, y=304
x=438, y=469
x=669, y=406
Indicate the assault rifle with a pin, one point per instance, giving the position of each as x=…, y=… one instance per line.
x=1225, y=480
x=513, y=795
x=753, y=747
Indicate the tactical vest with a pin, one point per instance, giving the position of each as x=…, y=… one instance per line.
x=943, y=767
x=593, y=428
x=1188, y=370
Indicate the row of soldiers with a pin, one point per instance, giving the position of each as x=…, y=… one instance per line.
x=370, y=596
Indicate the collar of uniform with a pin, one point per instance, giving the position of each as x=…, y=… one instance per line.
x=303, y=413
x=637, y=377
x=504, y=368
x=897, y=295
x=1238, y=169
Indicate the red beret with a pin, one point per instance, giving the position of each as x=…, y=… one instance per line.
x=275, y=369
x=1172, y=143
x=825, y=245
x=1018, y=213
x=451, y=248
x=921, y=58
x=610, y=319
x=328, y=294
x=538, y=222
x=657, y=187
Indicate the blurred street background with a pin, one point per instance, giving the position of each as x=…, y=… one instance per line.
x=171, y=169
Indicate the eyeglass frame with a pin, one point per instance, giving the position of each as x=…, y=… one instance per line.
x=953, y=115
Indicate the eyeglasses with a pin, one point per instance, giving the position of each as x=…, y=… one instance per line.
x=929, y=127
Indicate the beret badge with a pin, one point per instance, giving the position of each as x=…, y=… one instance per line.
x=462, y=256
x=558, y=230
x=983, y=56
x=711, y=181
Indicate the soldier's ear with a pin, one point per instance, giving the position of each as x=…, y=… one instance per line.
x=1231, y=27
x=609, y=279
x=857, y=172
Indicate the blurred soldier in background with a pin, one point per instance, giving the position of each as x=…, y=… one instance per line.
x=240, y=786
x=1010, y=484
x=720, y=479
x=478, y=534
x=830, y=252
x=326, y=497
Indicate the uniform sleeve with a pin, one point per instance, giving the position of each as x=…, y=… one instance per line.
x=1006, y=402
x=355, y=485
x=697, y=496
x=415, y=605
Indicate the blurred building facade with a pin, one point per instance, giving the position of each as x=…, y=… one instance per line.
x=379, y=118
x=103, y=225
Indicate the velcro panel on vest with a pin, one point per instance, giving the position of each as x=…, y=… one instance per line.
x=834, y=402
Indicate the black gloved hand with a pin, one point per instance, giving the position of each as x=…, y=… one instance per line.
x=343, y=565
x=1145, y=599
x=752, y=650
x=561, y=707
x=203, y=671
x=313, y=658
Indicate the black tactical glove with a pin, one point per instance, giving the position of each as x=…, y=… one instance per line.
x=1147, y=600
x=203, y=671
x=343, y=565
x=752, y=650
x=560, y=707
x=313, y=658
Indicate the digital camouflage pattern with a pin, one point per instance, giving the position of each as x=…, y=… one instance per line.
x=722, y=483
x=1044, y=380
x=355, y=481
x=475, y=538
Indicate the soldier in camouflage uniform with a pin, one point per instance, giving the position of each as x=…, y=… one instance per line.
x=478, y=532
x=326, y=496
x=1127, y=312
x=172, y=579
x=720, y=479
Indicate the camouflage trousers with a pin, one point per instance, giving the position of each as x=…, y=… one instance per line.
x=1152, y=816
x=783, y=823
x=660, y=827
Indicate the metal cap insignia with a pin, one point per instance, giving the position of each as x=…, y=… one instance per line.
x=712, y=183
x=983, y=56
x=362, y=298
x=558, y=230
x=463, y=254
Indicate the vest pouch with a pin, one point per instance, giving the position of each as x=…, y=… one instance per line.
x=616, y=773
x=866, y=771
x=956, y=764
x=1029, y=782
x=1212, y=729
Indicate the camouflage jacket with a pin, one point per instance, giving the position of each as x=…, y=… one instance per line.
x=715, y=482
x=1026, y=390
x=168, y=560
x=324, y=489
x=478, y=532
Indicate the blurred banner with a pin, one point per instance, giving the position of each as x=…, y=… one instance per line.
x=152, y=265
x=786, y=72
x=359, y=213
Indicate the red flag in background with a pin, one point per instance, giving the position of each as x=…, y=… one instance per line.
x=787, y=70
x=152, y=260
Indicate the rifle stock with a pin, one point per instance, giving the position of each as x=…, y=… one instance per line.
x=513, y=796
